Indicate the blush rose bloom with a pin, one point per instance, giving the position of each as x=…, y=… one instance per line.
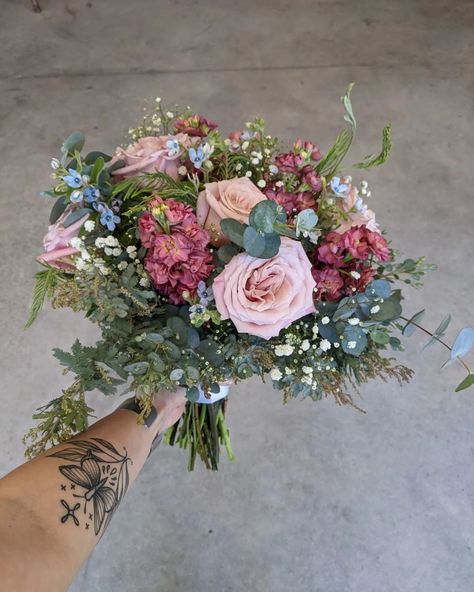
x=56, y=243
x=226, y=199
x=151, y=155
x=263, y=296
x=366, y=218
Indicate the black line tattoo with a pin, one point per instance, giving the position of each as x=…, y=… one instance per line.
x=102, y=473
x=70, y=512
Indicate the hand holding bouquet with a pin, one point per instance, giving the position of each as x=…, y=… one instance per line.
x=207, y=259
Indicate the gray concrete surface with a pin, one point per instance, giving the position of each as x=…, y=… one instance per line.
x=320, y=498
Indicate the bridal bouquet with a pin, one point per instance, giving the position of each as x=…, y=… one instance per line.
x=208, y=258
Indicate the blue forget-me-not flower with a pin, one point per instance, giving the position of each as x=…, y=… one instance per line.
x=339, y=188
x=91, y=194
x=107, y=217
x=172, y=146
x=74, y=179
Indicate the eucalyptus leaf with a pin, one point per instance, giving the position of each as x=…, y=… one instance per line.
x=463, y=343
x=380, y=337
x=76, y=215
x=193, y=339
x=157, y=362
x=466, y=383
x=93, y=156
x=254, y=241
x=177, y=374
x=137, y=368
x=390, y=310
x=227, y=252
x=264, y=215
x=58, y=208
x=73, y=143
x=154, y=338
x=379, y=289
x=192, y=372
x=354, y=340
x=409, y=328
x=233, y=230
x=272, y=246
x=118, y=164
x=439, y=332
x=192, y=394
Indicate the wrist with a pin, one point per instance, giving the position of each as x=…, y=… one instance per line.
x=153, y=424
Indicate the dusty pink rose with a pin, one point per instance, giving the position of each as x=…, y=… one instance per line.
x=263, y=296
x=151, y=154
x=56, y=243
x=226, y=199
x=363, y=218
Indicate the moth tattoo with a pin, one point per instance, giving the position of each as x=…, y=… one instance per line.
x=100, y=472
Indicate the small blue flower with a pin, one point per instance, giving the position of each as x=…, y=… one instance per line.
x=197, y=309
x=205, y=293
x=196, y=156
x=107, y=217
x=91, y=194
x=247, y=135
x=360, y=206
x=73, y=179
x=173, y=146
x=339, y=188
x=76, y=196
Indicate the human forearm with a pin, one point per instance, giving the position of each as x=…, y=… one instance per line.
x=54, y=509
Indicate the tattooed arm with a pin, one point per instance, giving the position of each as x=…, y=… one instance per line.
x=54, y=509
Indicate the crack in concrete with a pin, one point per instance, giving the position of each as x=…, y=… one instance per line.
x=157, y=72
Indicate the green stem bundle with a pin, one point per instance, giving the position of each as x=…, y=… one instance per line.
x=202, y=430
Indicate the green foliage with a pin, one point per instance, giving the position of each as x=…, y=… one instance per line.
x=233, y=230
x=87, y=365
x=45, y=283
x=466, y=383
x=439, y=332
x=58, y=421
x=58, y=208
x=76, y=215
x=136, y=191
x=72, y=144
x=410, y=326
x=334, y=157
x=372, y=160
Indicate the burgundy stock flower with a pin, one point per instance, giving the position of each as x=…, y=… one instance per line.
x=195, y=125
x=178, y=257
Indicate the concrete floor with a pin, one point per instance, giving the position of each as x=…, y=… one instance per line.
x=320, y=498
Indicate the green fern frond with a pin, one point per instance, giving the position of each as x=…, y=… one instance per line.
x=46, y=281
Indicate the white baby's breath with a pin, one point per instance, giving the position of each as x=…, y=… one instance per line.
x=276, y=374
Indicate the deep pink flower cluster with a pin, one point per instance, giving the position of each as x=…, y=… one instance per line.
x=293, y=162
x=195, y=125
x=178, y=257
x=342, y=261
x=292, y=202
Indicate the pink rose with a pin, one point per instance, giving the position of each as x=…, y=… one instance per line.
x=356, y=218
x=152, y=154
x=56, y=243
x=226, y=199
x=263, y=296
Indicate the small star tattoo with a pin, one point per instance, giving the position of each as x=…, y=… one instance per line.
x=87, y=525
x=73, y=486
x=63, y=488
x=90, y=516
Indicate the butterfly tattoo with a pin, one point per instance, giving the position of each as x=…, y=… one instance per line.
x=100, y=472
